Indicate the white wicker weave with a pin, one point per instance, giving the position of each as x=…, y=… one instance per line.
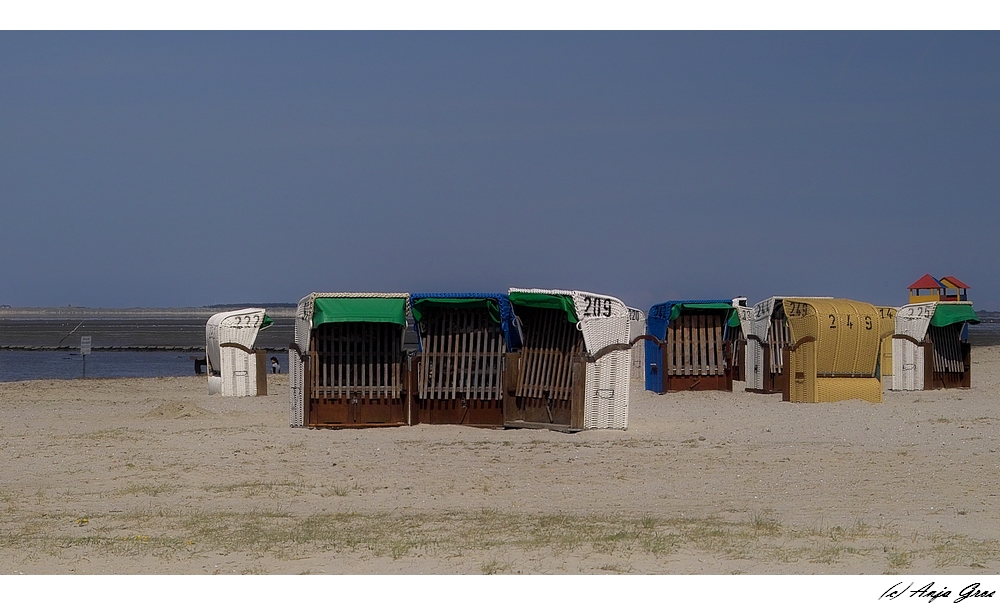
x=746, y=319
x=637, y=326
x=760, y=321
x=303, y=329
x=607, y=389
x=231, y=369
x=907, y=358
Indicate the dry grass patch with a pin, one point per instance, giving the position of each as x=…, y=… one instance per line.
x=339, y=490
x=258, y=488
x=147, y=489
x=493, y=567
x=116, y=434
x=169, y=532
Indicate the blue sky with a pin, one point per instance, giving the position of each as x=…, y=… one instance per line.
x=194, y=168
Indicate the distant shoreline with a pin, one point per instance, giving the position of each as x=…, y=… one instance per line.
x=140, y=312
x=183, y=349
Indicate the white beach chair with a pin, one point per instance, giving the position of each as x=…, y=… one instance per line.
x=927, y=356
x=637, y=326
x=234, y=367
x=545, y=387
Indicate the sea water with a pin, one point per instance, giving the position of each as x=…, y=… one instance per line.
x=38, y=365
x=185, y=335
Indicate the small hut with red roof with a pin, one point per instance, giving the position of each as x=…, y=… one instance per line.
x=926, y=289
x=950, y=282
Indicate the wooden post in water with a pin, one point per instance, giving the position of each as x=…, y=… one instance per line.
x=84, y=351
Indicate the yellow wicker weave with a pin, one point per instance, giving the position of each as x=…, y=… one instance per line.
x=838, y=347
x=888, y=316
x=841, y=389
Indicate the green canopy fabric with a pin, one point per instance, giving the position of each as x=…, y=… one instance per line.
x=945, y=315
x=734, y=319
x=378, y=310
x=561, y=302
x=267, y=322
x=491, y=305
x=675, y=311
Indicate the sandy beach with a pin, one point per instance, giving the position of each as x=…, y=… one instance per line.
x=155, y=476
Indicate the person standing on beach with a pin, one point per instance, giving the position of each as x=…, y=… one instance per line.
x=275, y=366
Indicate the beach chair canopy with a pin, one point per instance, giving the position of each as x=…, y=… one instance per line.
x=760, y=317
x=319, y=308
x=496, y=304
x=915, y=319
x=552, y=299
x=603, y=320
x=660, y=315
x=238, y=327
x=848, y=334
x=949, y=313
x=363, y=309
